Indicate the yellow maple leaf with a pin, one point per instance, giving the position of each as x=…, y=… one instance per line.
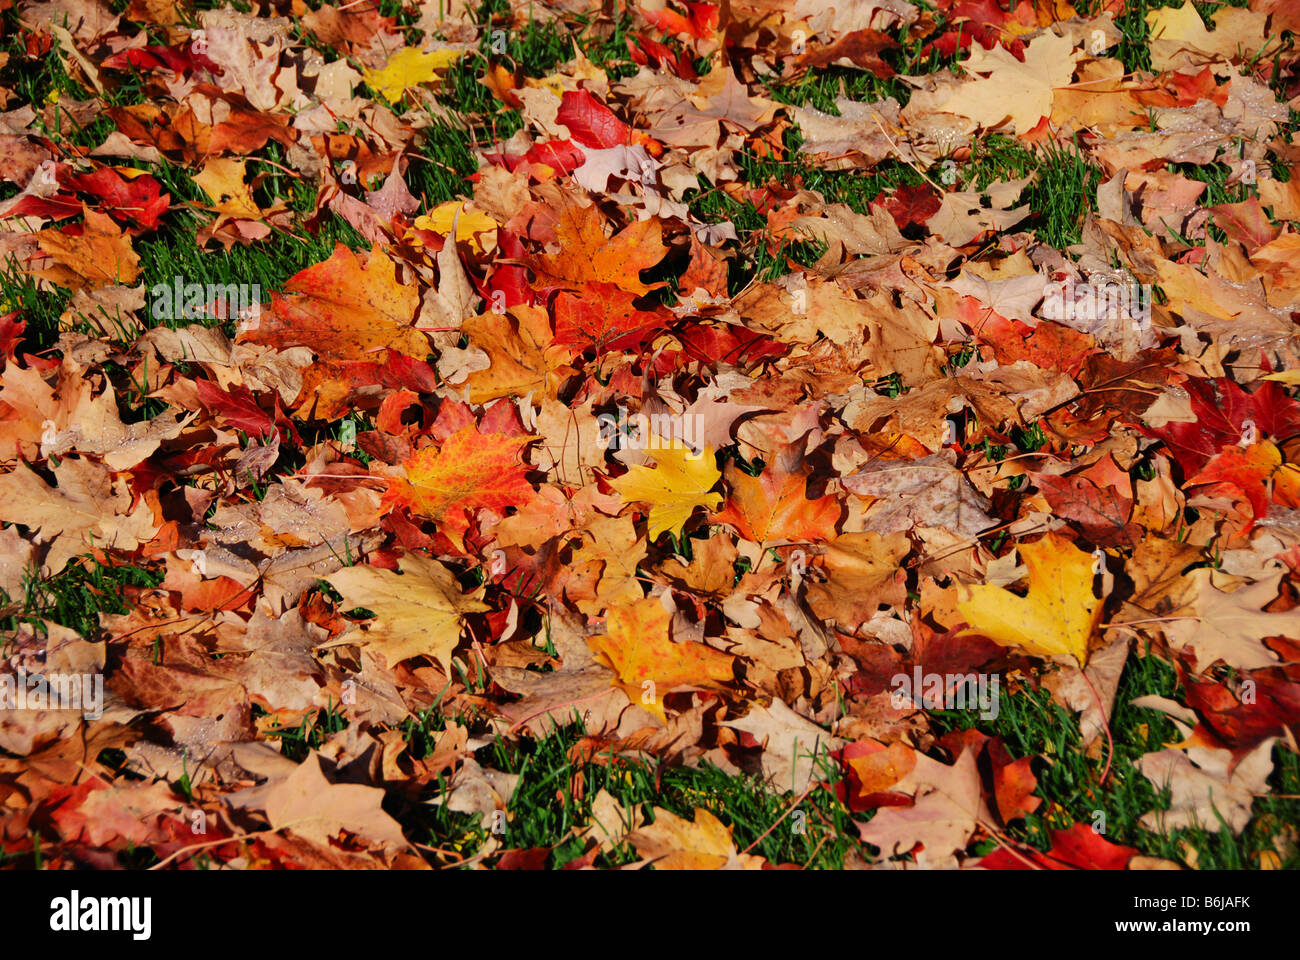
x=1057, y=615
x=678, y=484
x=1180, y=40
x=409, y=67
x=417, y=612
x=469, y=226
x=222, y=179
x=675, y=843
x=1021, y=91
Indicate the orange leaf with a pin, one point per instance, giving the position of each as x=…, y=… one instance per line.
x=588, y=256
x=604, y=317
x=88, y=255
x=648, y=664
x=1248, y=469
x=773, y=506
x=470, y=470
x=344, y=309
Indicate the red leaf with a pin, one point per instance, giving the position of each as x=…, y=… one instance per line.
x=590, y=122
x=605, y=318
x=238, y=408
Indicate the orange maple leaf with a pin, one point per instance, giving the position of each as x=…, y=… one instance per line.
x=1252, y=471
x=773, y=506
x=468, y=471
x=92, y=254
x=604, y=317
x=648, y=663
x=588, y=256
x=344, y=309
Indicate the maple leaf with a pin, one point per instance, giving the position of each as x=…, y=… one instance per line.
x=862, y=571
x=418, y=612
x=1230, y=626
x=701, y=24
x=410, y=67
x=587, y=256
x=773, y=506
x=647, y=664
x=344, y=309
x=910, y=205
x=947, y=810
x=87, y=255
x=99, y=814
x=929, y=492
x=518, y=343
x=130, y=194
x=674, y=843
x=473, y=227
x=873, y=768
x=307, y=804
x=1099, y=499
x=468, y=471
x=1058, y=614
x=86, y=509
x=679, y=482
x=1080, y=847
x=604, y=318
x=1208, y=789
x=1249, y=470
x=1223, y=410
x=793, y=747
x=1020, y=91
x=862, y=48
x=590, y=122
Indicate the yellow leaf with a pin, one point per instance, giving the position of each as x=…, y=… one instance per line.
x=674, y=843
x=417, y=612
x=1182, y=24
x=409, y=67
x=1058, y=614
x=471, y=224
x=677, y=485
x=1019, y=91
x=222, y=179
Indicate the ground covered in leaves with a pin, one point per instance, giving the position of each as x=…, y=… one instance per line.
x=775, y=433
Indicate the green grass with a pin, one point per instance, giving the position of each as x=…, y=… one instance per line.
x=76, y=596
x=555, y=793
